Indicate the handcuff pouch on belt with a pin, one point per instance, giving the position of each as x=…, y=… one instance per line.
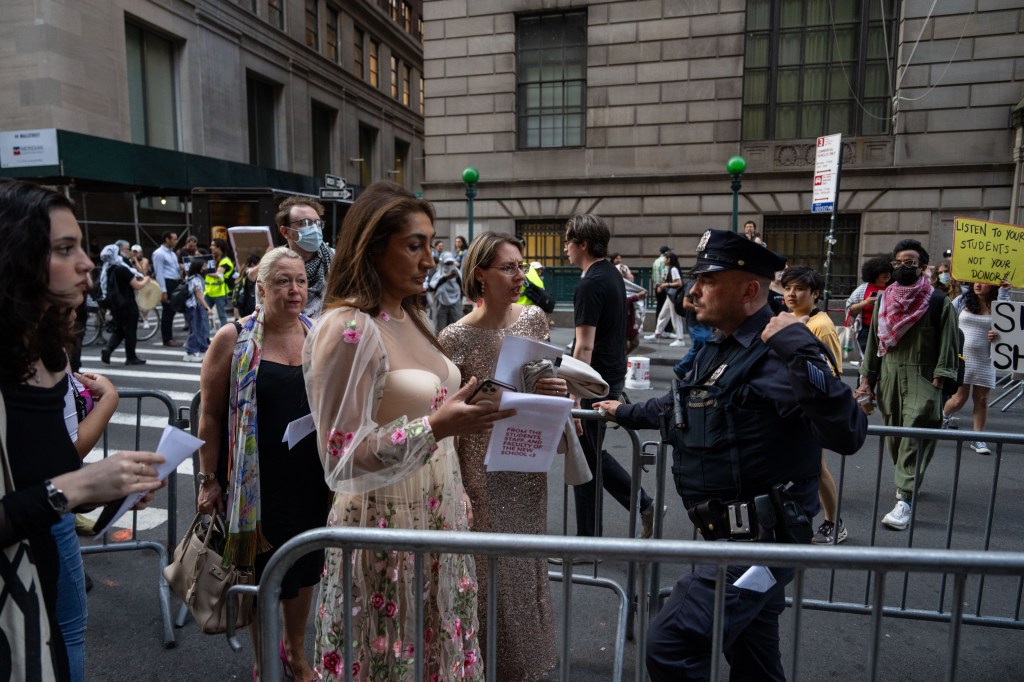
x=773, y=517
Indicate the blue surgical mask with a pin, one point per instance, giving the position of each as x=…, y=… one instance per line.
x=944, y=278
x=310, y=238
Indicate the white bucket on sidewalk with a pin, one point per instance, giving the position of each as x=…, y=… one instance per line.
x=638, y=372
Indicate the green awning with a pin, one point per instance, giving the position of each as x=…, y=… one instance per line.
x=91, y=163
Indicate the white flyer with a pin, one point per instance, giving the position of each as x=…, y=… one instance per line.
x=176, y=446
x=515, y=352
x=757, y=579
x=527, y=441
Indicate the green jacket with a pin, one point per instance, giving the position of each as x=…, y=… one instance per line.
x=929, y=351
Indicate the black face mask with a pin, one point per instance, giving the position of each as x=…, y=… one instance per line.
x=905, y=275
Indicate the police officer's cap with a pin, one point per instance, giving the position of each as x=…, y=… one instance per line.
x=722, y=250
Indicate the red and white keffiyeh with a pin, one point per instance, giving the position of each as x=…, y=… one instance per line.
x=899, y=310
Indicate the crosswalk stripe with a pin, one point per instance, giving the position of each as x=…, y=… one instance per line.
x=96, y=455
x=149, y=518
x=142, y=374
x=146, y=350
x=149, y=361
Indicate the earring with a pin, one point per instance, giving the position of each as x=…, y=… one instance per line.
x=482, y=287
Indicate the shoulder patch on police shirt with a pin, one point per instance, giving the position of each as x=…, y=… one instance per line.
x=816, y=377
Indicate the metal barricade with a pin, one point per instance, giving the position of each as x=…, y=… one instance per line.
x=879, y=562
x=901, y=609
x=161, y=550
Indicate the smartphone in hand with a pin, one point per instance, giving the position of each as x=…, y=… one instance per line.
x=489, y=392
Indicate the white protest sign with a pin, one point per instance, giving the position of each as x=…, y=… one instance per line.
x=527, y=441
x=1008, y=349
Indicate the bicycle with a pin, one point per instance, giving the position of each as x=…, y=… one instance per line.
x=99, y=321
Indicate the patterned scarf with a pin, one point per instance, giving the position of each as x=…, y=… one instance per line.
x=245, y=531
x=899, y=309
x=317, y=269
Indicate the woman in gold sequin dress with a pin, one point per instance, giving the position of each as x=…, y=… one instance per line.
x=386, y=403
x=505, y=501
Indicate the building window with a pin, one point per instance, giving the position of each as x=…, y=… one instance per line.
x=322, y=123
x=261, y=98
x=367, y=145
x=332, y=35
x=802, y=239
x=393, y=9
x=552, y=65
x=275, y=13
x=401, y=161
x=375, y=63
x=313, y=24
x=420, y=22
x=151, y=92
x=407, y=17
x=394, y=77
x=357, y=53
x=423, y=109
x=405, y=85
x=816, y=67
x=543, y=241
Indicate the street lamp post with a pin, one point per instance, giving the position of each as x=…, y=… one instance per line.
x=735, y=166
x=470, y=176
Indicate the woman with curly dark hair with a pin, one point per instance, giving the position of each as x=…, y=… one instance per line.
x=975, y=320
x=44, y=274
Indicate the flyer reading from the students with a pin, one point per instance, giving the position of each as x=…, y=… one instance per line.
x=984, y=251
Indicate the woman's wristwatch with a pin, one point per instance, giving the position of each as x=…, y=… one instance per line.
x=203, y=478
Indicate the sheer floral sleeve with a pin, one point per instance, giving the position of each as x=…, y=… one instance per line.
x=345, y=364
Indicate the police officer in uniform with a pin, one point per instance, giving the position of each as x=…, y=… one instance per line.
x=747, y=426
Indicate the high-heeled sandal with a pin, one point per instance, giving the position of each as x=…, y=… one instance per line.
x=289, y=674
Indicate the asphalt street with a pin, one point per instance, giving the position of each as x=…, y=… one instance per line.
x=125, y=636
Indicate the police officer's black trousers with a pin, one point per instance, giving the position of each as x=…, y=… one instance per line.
x=614, y=478
x=679, y=639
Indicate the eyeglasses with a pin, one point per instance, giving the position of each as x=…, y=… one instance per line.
x=910, y=263
x=308, y=222
x=511, y=269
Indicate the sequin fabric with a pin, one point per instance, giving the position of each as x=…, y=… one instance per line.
x=507, y=502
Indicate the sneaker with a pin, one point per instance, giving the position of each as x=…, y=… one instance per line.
x=899, y=517
x=651, y=337
x=950, y=422
x=824, y=534
x=677, y=343
x=647, y=520
x=192, y=357
x=980, y=447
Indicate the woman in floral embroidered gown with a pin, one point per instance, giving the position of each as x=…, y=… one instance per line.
x=386, y=402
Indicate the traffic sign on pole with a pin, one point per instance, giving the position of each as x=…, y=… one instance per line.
x=335, y=181
x=826, y=173
x=345, y=194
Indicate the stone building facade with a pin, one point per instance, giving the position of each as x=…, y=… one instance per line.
x=630, y=109
x=233, y=87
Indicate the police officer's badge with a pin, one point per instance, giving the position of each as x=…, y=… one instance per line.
x=703, y=241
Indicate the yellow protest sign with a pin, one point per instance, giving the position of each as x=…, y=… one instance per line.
x=984, y=251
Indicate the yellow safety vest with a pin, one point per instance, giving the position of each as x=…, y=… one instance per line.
x=217, y=285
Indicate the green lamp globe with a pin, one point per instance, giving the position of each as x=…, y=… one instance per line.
x=470, y=176
x=735, y=165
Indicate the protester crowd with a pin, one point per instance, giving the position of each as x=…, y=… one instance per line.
x=380, y=343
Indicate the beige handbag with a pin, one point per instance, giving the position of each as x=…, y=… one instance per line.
x=198, y=578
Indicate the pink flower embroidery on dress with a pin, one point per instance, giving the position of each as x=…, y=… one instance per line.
x=338, y=442
x=380, y=644
x=433, y=503
x=382, y=522
x=384, y=317
x=390, y=609
x=377, y=601
x=398, y=437
x=439, y=397
x=351, y=334
x=467, y=583
x=332, y=662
